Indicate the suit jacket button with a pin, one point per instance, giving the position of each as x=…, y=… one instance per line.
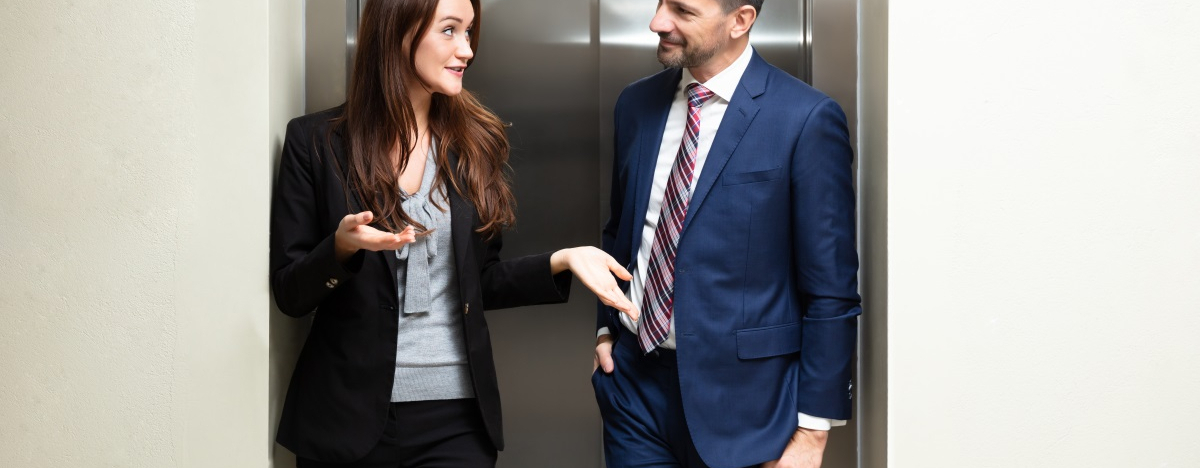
x=329, y=284
x=333, y=281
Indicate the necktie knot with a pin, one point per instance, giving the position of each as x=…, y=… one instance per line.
x=698, y=94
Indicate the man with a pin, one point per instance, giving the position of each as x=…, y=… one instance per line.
x=733, y=206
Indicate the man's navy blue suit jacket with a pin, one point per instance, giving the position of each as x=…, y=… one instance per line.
x=766, y=291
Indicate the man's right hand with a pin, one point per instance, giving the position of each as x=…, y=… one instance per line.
x=603, y=359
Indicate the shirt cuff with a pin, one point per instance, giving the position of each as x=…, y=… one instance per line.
x=601, y=332
x=818, y=424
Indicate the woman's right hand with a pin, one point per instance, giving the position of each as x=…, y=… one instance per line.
x=354, y=234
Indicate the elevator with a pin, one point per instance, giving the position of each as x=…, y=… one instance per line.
x=552, y=70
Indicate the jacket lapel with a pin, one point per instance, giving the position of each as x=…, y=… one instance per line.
x=650, y=126
x=741, y=111
x=461, y=215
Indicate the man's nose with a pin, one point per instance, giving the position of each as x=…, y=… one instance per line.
x=660, y=23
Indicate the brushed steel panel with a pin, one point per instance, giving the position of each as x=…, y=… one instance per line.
x=536, y=67
x=327, y=26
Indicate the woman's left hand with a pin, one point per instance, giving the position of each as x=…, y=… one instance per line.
x=595, y=269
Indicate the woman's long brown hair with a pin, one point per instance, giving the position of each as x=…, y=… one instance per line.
x=378, y=113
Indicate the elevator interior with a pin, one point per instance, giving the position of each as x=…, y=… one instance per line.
x=553, y=69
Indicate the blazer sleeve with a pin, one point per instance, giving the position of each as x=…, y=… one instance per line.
x=826, y=260
x=304, y=270
x=520, y=281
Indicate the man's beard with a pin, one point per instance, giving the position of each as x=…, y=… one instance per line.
x=685, y=57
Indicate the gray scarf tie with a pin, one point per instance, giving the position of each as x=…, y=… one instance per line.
x=418, y=255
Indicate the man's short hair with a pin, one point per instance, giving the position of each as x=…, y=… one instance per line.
x=731, y=5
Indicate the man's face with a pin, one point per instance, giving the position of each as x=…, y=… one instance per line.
x=690, y=31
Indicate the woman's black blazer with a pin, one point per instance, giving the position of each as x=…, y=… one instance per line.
x=339, y=394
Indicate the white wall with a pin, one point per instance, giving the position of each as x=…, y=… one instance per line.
x=133, y=212
x=287, y=101
x=1044, y=233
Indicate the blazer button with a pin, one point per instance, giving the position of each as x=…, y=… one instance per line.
x=333, y=281
x=329, y=284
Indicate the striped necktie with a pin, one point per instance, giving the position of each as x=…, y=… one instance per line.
x=660, y=278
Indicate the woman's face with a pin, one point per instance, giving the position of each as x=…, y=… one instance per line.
x=443, y=52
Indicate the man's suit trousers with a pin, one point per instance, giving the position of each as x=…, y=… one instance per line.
x=644, y=425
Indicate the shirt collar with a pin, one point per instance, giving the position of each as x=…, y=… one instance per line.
x=725, y=82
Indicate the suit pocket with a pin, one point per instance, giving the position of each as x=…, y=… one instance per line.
x=778, y=340
x=752, y=176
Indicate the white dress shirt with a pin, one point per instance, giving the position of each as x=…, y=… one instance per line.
x=712, y=112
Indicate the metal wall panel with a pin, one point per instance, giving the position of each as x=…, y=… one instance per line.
x=329, y=31
x=536, y=67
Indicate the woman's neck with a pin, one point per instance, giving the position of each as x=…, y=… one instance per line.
x=420, y=105
x=420, y=102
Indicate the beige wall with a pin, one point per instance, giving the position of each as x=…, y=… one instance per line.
x=1044, y=233
x=133, y=207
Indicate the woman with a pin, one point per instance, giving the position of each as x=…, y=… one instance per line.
x=386, y=221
